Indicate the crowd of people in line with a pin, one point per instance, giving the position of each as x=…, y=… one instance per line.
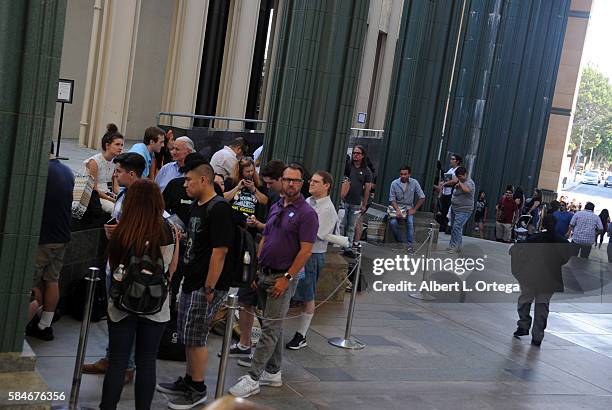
x=170, y=203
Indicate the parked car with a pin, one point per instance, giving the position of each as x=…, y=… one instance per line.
x=591, y=178
x=608, y=181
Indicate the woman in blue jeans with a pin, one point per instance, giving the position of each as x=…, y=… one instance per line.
x=141, y=229
x=462, y=205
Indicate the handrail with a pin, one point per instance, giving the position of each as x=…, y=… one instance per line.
x=207, y=117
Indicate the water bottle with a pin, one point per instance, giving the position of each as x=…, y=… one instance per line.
x=119, y=272
x=246, y=261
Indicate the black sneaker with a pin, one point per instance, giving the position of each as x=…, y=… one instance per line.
x=237, y=351
x=246, y=361
x=536, y=342
x=177, y=387
x=33, y=330
x=188, y=400
x=297, y=342
x=520, y=332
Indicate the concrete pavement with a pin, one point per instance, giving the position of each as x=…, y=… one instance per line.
x=422, y=355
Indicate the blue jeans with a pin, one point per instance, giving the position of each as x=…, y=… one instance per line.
x=131, y=362
x=458, y=221
x=122, y=335
x=349, y=220
x=397, y=231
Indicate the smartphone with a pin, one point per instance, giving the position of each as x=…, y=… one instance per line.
x=112, y=221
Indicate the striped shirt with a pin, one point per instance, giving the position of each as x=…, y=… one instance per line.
x=585, y=225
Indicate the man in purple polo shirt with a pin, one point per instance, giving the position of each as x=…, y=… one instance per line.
x=290, y=232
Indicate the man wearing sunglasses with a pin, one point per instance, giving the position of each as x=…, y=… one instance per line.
x=288, y=237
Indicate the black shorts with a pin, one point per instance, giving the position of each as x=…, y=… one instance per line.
x=248, y=296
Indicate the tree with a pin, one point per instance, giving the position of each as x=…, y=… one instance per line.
x=593, y=116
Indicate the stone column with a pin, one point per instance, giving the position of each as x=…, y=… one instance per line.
x=112, y=72
x=314, y=81
x=555, y=163
x=184, y=58
x=237, y=60
x=30, y=51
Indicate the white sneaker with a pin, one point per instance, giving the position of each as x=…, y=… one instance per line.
x=271, y=379
x=245, y=387
x=453, y=250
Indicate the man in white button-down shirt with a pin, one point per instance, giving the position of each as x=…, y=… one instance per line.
x=224, y=160
x=320, y=184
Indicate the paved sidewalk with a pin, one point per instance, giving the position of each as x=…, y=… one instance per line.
x=419, y=355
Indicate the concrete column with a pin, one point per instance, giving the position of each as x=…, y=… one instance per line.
x=237, y=59
x=112, y=76
x=184, y=58
x=30, y=51
x=314, y=81
x=555, y=163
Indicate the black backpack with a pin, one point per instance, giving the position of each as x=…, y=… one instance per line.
x=240, y=267
x=141, y=287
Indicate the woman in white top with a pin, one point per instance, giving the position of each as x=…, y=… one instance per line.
x=102, y=168
x=140, y=230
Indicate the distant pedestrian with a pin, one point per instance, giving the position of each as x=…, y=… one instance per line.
x=610, y=243
x=462, y=205
x=533, y=208
x=402, y=194
x=585, y=226
x=481, y=212
x=563, y=218
x=446, y=187
x=356, y=199
x=505, y=216
x=604, y=216
x=182, y=147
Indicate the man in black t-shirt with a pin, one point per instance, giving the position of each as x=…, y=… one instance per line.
x=209, y=236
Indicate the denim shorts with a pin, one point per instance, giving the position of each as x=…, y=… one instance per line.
x=307, y=287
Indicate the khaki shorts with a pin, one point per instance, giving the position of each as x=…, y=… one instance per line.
x=49, y=263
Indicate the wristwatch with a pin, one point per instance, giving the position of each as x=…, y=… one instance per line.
x=208, y=290
x=288, y=276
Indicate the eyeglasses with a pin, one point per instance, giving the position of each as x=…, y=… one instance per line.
x=293, y=180
x=357, y=153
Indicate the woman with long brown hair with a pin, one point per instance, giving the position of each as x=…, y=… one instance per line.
x=141, y=230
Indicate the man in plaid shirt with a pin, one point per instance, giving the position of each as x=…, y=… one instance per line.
x=585, y=226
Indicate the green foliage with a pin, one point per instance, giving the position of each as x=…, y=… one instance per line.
x=593, y=115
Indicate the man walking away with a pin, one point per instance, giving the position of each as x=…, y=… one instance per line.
x=584, y=227
x=54, y=235
x=462, y=205
x=288, y=237
x=537, y=265
x=401, y=199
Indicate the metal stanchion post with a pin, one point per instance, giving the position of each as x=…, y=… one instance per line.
x=80, y=357
x=423, y=295
x=232, y=304
x=348, y=342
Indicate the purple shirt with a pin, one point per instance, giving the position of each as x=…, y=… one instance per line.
x=285, y=228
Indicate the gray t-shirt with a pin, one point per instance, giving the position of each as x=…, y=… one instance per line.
x=358, y=177
x=464, y=201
